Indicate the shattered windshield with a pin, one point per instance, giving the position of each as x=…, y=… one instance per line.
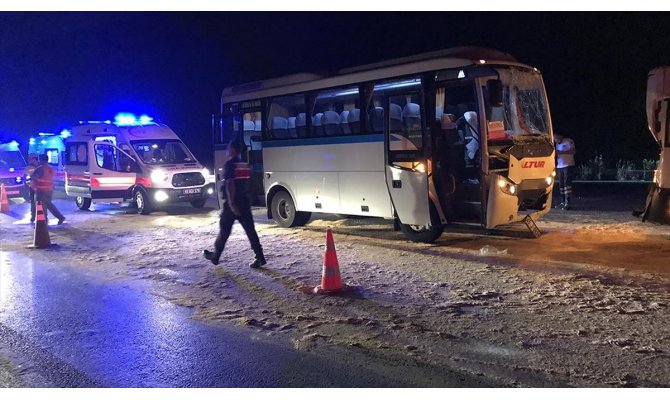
x=524, y=108
x=162, y=151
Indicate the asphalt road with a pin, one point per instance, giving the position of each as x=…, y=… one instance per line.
x=61, y=327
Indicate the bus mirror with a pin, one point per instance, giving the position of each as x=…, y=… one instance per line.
x=494, y=91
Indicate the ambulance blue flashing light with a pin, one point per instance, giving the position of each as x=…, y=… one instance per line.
x=65, y=133
x=13, y=145
x=128, y=119
x=32, y=141
x=43, y=142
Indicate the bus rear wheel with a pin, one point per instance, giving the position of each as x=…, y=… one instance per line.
x=284, y=212
x=83, y=203
x=424, y=234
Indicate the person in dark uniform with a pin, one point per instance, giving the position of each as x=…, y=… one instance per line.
x=236, y=206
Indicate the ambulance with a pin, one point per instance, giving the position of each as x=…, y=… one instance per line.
x=12, y=165
x=135, y=160
x=52, y=145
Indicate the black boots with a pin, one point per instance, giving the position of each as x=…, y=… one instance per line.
x=211, y=257
x=258, y=262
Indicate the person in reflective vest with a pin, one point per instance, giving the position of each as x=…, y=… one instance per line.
x=42, y=182
x=27, y=176
x=237, y=206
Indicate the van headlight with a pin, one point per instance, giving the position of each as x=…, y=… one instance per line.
x=159, y=175
x=506, y=186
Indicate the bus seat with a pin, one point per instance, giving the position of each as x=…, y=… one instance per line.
x=395, y=112
x=473, y=144
x=465, y=107
x=317, y=128
x=291, y=127
x=354, y=119
x=279, y=128
x=411, y=116
x=249, y=130
x=376, y=118
x=301, y=125
x=344, y=122
x=331, y=123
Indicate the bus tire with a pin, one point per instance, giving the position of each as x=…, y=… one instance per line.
x=283, y=210
x=302, y=217
x=200, y=203
x=142, y=203
x=423, y=234
x=83, y=203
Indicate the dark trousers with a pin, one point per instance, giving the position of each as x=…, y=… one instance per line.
x=565, y=183
x=45, y=198
x=33, y=204
x=226, y=222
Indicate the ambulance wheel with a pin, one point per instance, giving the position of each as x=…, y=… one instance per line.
x=142, y=202
x=424, y=234
x=283, y=210
x=199, y=203
x=83, y=203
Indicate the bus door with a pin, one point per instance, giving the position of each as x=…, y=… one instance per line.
x=457, y=155
x=251, y=134
x=111, y=170
x=406, y=176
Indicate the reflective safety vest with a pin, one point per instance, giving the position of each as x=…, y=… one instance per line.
x=44, y=183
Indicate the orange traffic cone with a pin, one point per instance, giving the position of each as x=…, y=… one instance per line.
x=4, y=202
x=330, y=277
x=41, y=231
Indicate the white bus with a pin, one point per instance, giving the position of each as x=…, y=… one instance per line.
x=459, y=135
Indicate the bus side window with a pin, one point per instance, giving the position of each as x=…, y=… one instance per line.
x=336, y=112
x=405, y=122
x=284, y=111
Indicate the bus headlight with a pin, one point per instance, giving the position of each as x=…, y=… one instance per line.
x=506, y=186
x=420, y=167
x=549, y=180
x=160, y=196
x=159, y=175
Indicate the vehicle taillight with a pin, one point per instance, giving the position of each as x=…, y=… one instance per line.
x=143, y=181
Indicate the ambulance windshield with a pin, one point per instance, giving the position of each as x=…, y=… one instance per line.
x=162, y=151
x=11, y=159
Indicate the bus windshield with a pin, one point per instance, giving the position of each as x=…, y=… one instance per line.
x=524, y=106
x=162, y=151
x=11, y=159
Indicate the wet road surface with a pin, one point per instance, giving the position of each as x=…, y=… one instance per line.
x=67, y=328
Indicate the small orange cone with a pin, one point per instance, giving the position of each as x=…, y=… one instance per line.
x=330, y=277
x=41, y=231
x=4, y=202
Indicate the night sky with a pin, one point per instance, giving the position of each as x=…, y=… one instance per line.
x=59, y=68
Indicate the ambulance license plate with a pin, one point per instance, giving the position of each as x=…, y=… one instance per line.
x=192, y=191
x=12, y=192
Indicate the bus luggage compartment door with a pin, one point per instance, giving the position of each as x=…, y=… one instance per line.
x=409, y=194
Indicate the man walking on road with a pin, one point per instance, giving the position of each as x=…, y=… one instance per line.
x=565, y=162
x=236, y=206
x=42, y=182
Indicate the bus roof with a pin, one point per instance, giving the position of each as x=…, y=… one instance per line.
x=456, y=57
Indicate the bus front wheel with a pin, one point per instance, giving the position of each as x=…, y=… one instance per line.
x=424, y=234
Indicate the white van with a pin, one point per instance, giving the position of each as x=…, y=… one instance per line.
x=133, y=160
